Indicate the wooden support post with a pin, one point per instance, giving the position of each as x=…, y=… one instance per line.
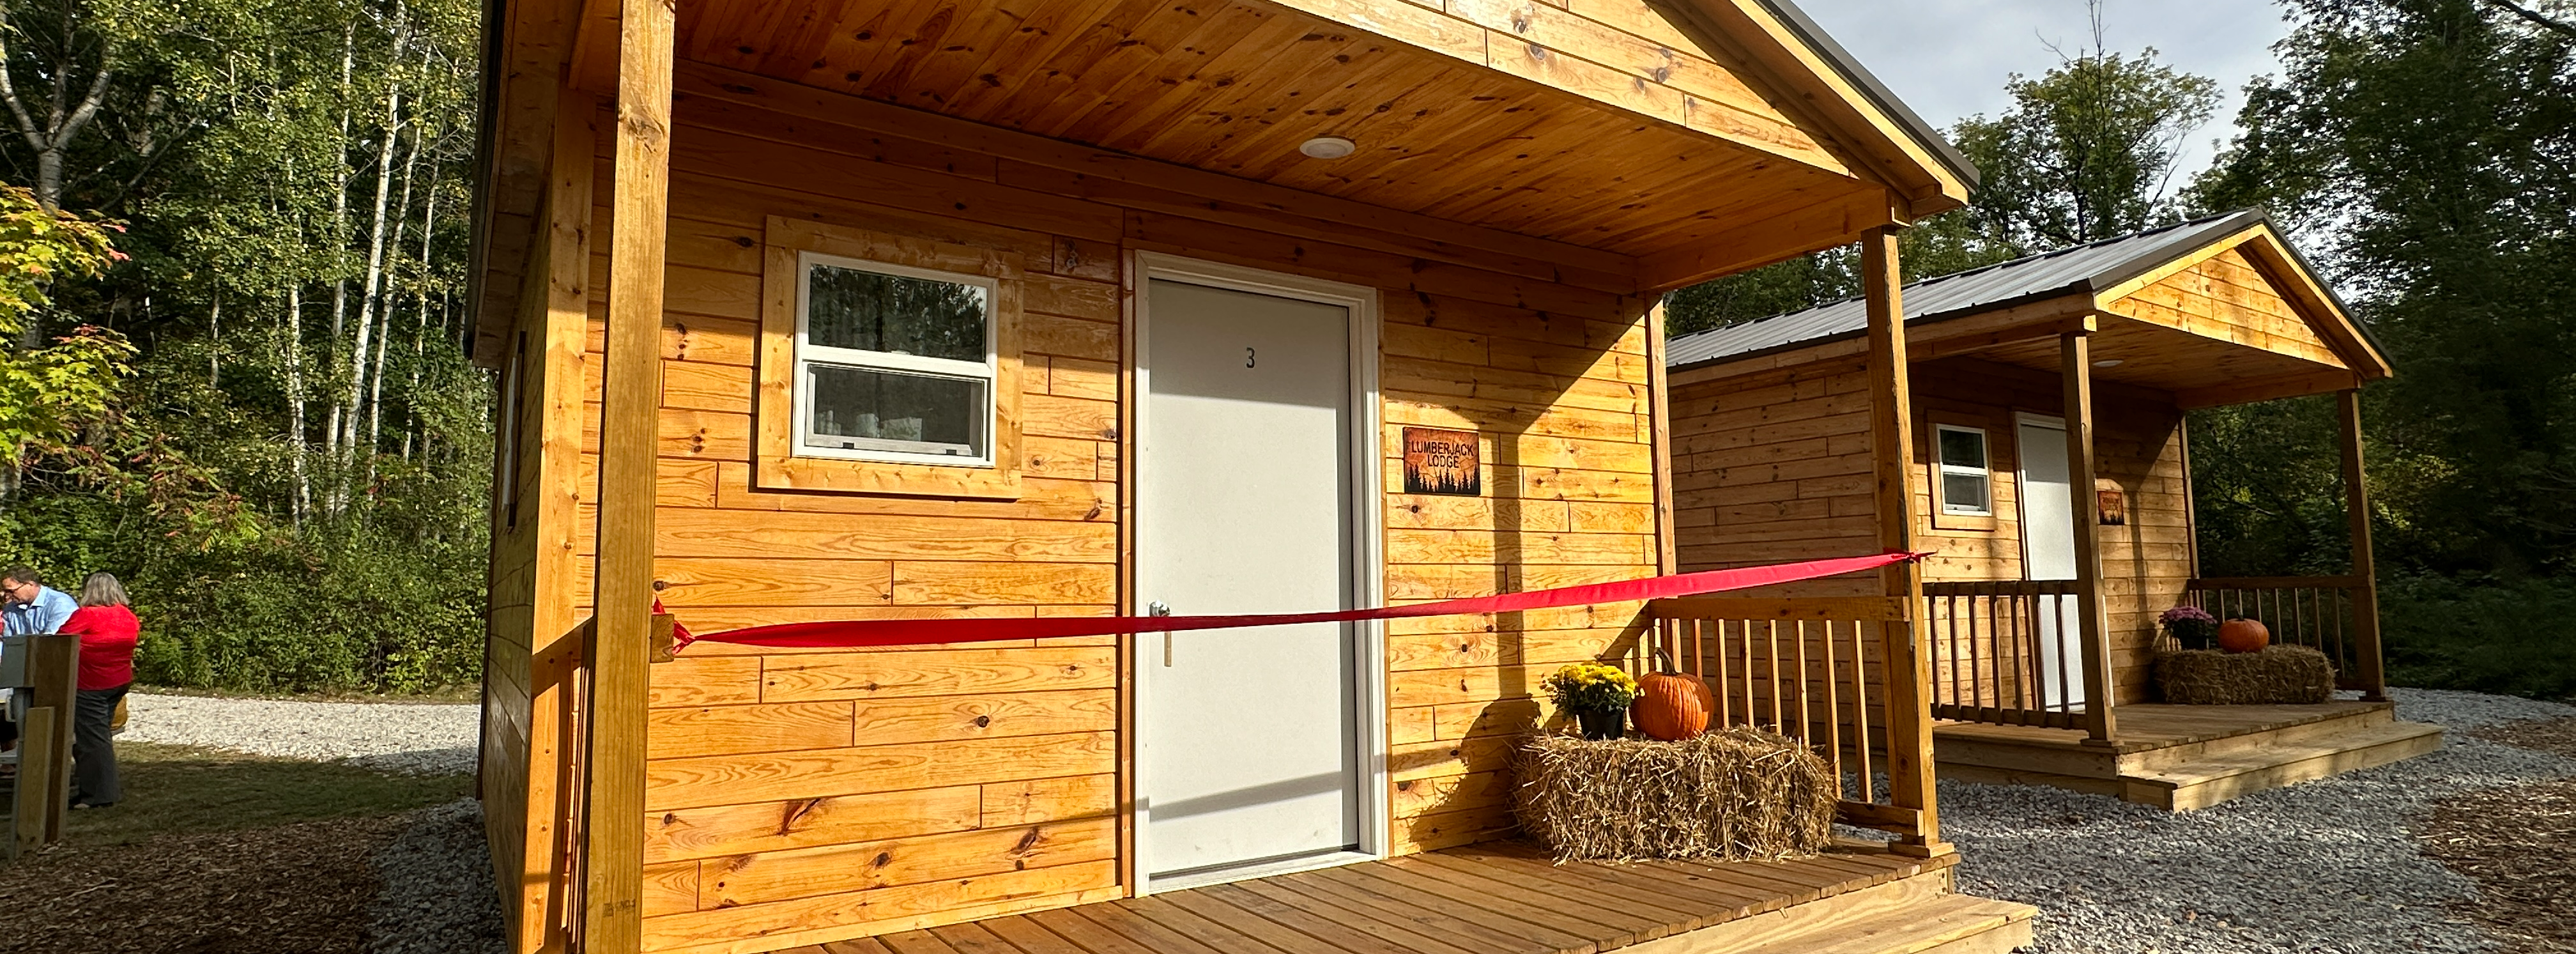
x=1659, y=406
x=2365, y=596
x=1909, y=672
x=36, y=781
x=2075, y=355
x=630, y=405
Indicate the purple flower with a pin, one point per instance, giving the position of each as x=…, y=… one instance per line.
x=2186, y=614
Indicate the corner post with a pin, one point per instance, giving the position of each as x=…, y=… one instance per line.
x=2365, y=595
x=2075, y=357
x=1909, y=673
x=630, y=406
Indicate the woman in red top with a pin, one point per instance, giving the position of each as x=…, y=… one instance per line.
x=107, y=628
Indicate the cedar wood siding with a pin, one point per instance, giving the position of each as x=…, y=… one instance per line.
x=1775, y=467
x=970, y=782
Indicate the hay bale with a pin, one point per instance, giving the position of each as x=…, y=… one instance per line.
x=1736, y=794
x=2276, y=675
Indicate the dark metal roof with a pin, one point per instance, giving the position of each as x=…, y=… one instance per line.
x=2082, y=268
x=1923, y=133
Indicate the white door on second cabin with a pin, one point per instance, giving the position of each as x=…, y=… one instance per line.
x=1248, y=739
x=2048, y=553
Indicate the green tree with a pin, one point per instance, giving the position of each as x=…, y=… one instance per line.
x=2087, y=152
x=2425, y=144
x=47, y=392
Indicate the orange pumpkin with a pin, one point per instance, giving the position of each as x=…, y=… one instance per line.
x=2244, y=636
x=1671, y=706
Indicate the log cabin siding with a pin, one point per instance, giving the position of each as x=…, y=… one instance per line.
x=1775, y=466
x=796, y=797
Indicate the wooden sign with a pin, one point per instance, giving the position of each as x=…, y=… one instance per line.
x=2114, y=507
x=1441, y=462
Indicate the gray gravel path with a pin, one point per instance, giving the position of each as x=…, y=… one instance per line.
x=2327, y=866
x=421, y=738
x=437, y=896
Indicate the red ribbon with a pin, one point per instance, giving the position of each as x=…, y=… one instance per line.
x=905, y=632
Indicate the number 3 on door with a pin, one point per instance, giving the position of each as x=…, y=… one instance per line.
x=1247, y=357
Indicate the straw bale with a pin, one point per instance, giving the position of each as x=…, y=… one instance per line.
x=1733, y=795
x=2274, y=676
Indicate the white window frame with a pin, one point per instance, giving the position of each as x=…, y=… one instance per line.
x=809, y=354
x=1942, y=469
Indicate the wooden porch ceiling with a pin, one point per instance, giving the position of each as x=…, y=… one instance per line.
x=1718, y=178
x=2200, y=371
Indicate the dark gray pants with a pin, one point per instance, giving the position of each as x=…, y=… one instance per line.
x=94, y=747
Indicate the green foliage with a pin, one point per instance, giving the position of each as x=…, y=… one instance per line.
x=2424, y=143
x=39, y=246
x=2481, y=633
x=48, y=391
x=292, y=479
x=2087, y=150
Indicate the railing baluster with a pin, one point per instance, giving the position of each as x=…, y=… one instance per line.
x=1771, y=663
x=1806, y=719
x=1860, y=712
x=1833, y=714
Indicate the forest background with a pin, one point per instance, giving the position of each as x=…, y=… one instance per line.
x=232, y=266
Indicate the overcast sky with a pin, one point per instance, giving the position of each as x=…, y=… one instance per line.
x=1949, y=58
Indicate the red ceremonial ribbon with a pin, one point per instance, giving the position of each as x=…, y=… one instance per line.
x=906, y=632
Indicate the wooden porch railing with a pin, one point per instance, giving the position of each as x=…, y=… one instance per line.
x=2334, y=615
x=1813, y=670
x=1989, y=663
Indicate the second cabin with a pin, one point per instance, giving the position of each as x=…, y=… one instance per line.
x=2049, y=399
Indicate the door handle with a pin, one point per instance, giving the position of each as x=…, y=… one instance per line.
x=1160, y=608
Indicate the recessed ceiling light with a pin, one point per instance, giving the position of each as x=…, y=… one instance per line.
x=1327, y=147
x=2107, y=363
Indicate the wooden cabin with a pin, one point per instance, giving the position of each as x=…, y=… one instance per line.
x=814, y=310
x=2044, y=595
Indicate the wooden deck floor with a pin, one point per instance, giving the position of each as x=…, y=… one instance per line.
x=1493, y=898
x=2157, y=726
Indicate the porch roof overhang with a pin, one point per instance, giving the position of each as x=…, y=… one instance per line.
x=1658, y=141
x=2216, y=311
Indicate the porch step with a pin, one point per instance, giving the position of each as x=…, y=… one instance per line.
x=1947, y=924
x=1916, y=915
x=2211, y=779
x=2320, y=731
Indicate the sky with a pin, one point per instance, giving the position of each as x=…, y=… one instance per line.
x=1949, y=58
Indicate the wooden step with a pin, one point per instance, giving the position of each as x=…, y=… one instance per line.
x=1915, y=915
x=1950, y=924
x=2147, y=761
x=2207, y=781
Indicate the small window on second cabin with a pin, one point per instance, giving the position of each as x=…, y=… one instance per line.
x=894, y=363
x=1964, y=471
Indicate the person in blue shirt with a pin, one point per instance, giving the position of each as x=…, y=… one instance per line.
x=28, y=607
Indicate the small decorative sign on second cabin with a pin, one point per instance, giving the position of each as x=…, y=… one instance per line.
x=1441, y=462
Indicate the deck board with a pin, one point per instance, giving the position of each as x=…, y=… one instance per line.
x=2146, y=726
x=1492, y=898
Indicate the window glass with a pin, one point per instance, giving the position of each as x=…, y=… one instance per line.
x=1967, y=485
x=1963, y=493
x=868, y=409
x=1961, y=447
x=895, y=314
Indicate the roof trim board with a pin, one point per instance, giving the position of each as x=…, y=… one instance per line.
x=2097, y=274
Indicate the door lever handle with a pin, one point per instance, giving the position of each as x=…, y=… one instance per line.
x=1160, y=608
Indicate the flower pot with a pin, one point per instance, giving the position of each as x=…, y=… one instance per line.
x=1603, y=724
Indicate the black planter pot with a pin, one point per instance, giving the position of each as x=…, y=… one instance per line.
x=1603, y=724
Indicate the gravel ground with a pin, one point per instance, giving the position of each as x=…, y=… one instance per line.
x=437, y=896
x=420, y=738
x=2327, y=866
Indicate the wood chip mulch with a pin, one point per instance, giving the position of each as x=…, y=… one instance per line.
x=304, y=887
x=2513, y=842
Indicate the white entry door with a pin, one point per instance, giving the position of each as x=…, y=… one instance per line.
x=2048, y=553
x=1249, y=739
